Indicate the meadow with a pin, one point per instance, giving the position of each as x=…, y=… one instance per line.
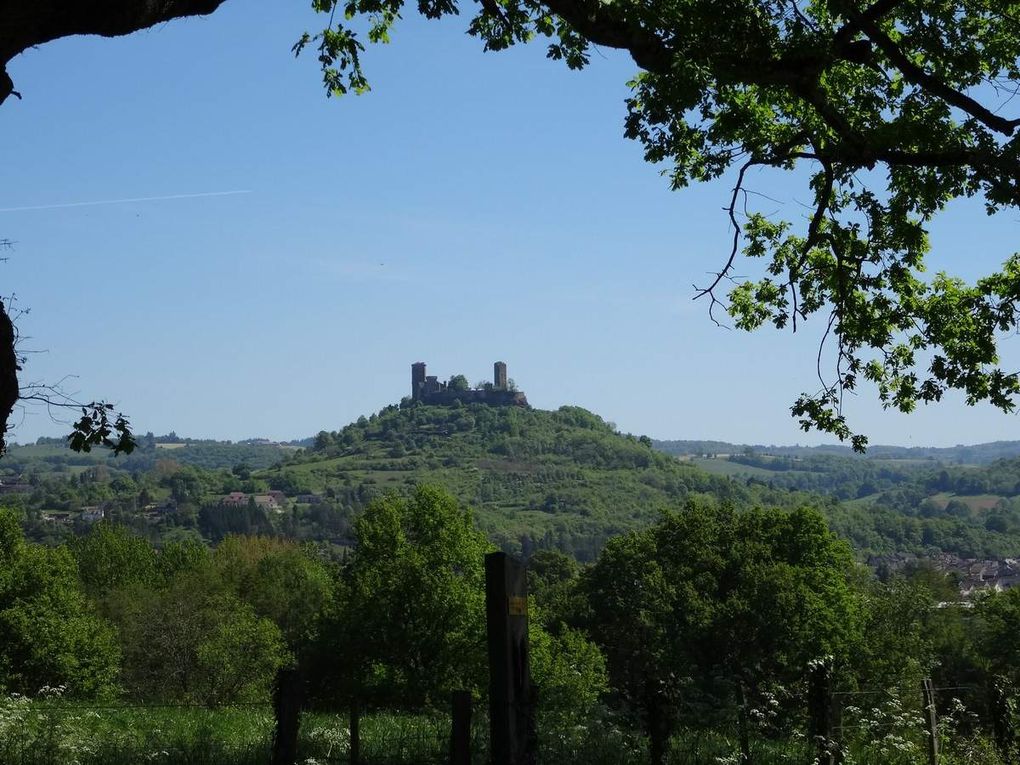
x=49, y=730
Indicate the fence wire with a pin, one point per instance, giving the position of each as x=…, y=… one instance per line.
x=869, y=723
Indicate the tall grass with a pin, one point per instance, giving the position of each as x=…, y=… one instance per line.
x=53, y=731
x=56, y=732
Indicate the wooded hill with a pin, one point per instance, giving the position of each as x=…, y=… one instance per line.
x=535, y=478
x=915, y=505
x=560, y=479
x=567, y=479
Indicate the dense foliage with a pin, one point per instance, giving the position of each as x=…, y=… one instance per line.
x=563, y=480
x=709, y=608
x=708, y=620
x=50, y=633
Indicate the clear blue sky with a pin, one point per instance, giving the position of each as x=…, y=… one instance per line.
x=472, y=207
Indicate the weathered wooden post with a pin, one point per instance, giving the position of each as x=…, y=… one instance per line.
x=659, y=723
x=460, y=729
x=931, y=723
x=512, y=738
x=355, y=728
x=820, y=713
x=288, y=695
x=744, y=727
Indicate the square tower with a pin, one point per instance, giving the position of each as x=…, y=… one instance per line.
x=499, y=375
x=417, y=379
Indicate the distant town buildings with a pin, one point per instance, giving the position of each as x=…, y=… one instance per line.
x=973, y=575
x=92, y=514
x=271, y=500
x=429, y=390
x=14, y=486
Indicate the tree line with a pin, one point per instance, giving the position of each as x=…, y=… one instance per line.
x=690, y=622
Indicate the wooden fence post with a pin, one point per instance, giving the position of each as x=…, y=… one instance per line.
x=460, y=729
x=658, y=729
x=820, y=713
x=512, y=739
x=931, y=723
x=287, y=700
x=744, y=725
x=355, y=758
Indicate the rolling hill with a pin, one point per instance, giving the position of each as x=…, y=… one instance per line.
x=563, y=479
x=560, y=478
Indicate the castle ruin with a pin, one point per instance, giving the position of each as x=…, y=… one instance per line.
x=428, y=389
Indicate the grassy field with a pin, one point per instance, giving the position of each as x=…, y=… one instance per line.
x=976, y=502
x=55, y=732
x=59, y=733
x=719, y=466
x=725, y=467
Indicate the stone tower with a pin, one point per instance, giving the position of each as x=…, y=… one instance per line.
x=417, y=379
x=499, y=375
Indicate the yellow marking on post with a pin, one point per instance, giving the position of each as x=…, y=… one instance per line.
x=518, y=606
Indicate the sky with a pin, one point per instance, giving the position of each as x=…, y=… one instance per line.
x=278, y=259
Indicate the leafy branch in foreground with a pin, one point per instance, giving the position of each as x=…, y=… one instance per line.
x=99, y=424
x=890, y=109
x=95, y=428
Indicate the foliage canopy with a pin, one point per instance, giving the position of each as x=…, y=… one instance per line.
x=710, y=599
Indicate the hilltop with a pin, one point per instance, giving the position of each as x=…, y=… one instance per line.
x=561, y=478
x=567, y=479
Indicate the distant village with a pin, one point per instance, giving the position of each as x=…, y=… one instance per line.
x=973, y=575
x=270, y=501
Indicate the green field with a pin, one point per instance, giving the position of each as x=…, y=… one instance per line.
x=976, y=502
x=722, y=466
x=60, y=733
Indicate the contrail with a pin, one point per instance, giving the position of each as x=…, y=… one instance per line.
x=121, y=201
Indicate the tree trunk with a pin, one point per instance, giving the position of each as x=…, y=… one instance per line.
x=8, y=374
x=460, y=729
x=287, y=699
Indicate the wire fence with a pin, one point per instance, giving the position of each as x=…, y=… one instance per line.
x=870, y=725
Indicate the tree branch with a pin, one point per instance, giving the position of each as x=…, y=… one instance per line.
x=601, y=25
x=845, y=34
x=9, y=368
x=27, y=23
x=916, y=75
